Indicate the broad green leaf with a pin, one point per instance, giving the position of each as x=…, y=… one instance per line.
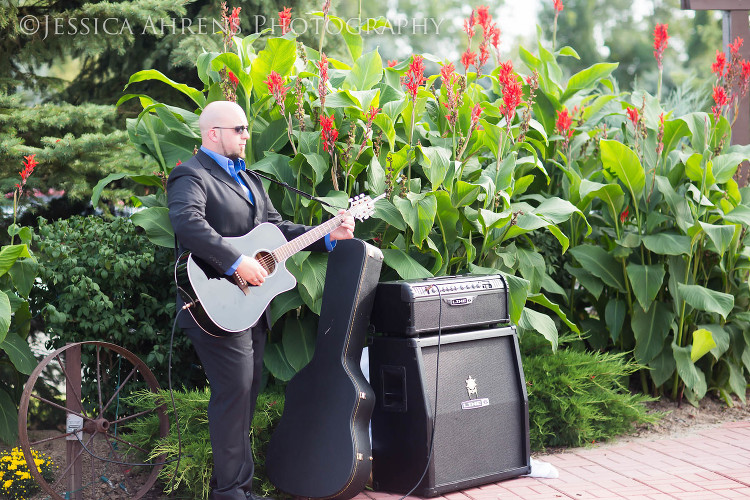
x=310, y=272
x=276, y=362
x=645, y=281
x=558, y=211
x=532, y=267
x=588, y=78
x=542, y=300
x=299, y=341
x=614, y=317
x=5, y=315
x=23, y=272
x=721, y=339
x=435, y=162
x=155, y=221
x=419, y=212
x=590, y=282
x=9, y=254
x=272, y=138
x=650, y=329
x=447, y=217
x=698, y=123
x=385, y=123
x=610, y=194
x=696, y=170
x=668, y=243
x=536, y=321
x=19, y=352
x=662, y=366
x=406, y=267
x=366, y=72
x=97, y=192
x=703, y=342
x=464, y=193
x=693, y=377
x=284, y=303
x=350, y=35
x=8, y=419
x=720, y=236
x=725, y=166
x=737, y=380
x=152, y=74
x=279, y=56
x=705, y=299
x=624, y=163
x=233, y=63
x=386, y=211
x=740, y=215
x=518, y=289
x=601, y=264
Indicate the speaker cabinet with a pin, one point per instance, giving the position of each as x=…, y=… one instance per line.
x=481, y=432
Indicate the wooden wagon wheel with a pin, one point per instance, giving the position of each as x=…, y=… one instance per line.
x=93, y=419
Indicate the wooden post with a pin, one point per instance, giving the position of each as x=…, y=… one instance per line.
x=72, y=402
x=736, y=24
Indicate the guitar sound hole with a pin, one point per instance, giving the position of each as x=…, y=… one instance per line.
x=267, y=261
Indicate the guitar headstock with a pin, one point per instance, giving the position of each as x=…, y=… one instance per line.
x=362, y=206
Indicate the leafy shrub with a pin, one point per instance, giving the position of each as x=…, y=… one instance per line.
x=102, y=280
x=578, y=397
x=16, y=482
x=196, y=463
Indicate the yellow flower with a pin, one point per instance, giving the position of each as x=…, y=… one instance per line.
x=7, y=484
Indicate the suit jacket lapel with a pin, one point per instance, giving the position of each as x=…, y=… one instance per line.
x=258, y=195
x=221, y=174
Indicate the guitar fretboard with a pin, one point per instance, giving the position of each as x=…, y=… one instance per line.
x=288, y=249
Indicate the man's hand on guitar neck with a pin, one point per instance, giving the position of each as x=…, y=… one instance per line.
x=251, y=271
x=346, y=230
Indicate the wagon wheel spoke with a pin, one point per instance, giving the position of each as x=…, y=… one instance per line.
x=131, y=417
x=99, y=380
x=60, y=407
x=65, y=471
x=117, y=392
x=119, y=439
x=53, y=438
x=125, y=472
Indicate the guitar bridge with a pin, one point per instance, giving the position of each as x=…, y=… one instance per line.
x=241, y=283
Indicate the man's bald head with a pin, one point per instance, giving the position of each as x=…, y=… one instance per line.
x=217, y=124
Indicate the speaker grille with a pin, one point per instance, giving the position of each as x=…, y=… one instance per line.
x=478, y=442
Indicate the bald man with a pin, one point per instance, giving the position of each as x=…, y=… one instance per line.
x=211, y=196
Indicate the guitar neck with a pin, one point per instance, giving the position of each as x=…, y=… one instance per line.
x=303, y=241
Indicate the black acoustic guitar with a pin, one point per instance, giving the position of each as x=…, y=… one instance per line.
x=222, y=305
x=321, y=446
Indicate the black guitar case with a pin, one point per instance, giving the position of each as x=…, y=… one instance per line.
x=321, y=446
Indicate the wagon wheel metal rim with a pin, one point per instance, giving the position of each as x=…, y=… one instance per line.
x=95, y=425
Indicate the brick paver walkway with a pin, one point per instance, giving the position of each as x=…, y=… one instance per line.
x=707, y=464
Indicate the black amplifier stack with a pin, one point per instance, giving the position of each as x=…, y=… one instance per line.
x=451, y=303
x=480, y=424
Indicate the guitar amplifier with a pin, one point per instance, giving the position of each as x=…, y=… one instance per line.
x=415, y=307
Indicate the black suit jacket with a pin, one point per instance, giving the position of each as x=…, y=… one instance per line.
x=206, y=203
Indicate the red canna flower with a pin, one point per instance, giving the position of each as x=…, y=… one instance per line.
x=624, y=214
x=484, y=17
x=718, y=68
x=512, y=94
x=469, y=26
x=392, y=63
x=495, y=36
x=734, y=48
x=506, y=73
x=476, y=114
x=233, y=79
x=661, y=39
x=372, y=113
x=449, y=76
x=633, y=116
x=468, y=58
x=285, y=19
x=558, y=5
x=275, y=84
x=231, y=24
x=721, y=99
x=28, y=167
x=329, y=133
x=484, y=55
x=414, y=76
x=179, y=162
x=563, y=123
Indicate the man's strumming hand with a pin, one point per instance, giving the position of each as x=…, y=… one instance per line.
x=251, y=271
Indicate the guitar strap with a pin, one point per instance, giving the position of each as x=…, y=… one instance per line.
x=293, y=189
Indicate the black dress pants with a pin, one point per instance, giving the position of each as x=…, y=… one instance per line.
x=233, y=366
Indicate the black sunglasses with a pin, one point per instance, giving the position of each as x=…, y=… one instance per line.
x=239, y=128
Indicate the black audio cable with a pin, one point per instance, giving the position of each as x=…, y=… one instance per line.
x=435, y=402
